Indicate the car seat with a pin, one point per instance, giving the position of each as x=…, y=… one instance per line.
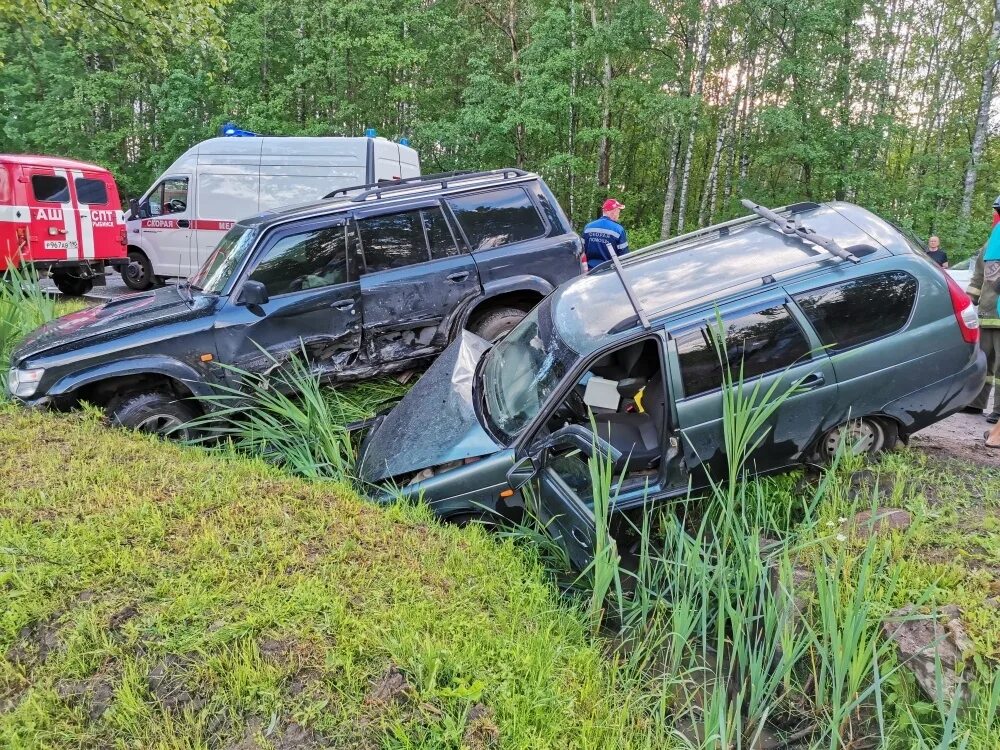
x=637, y=434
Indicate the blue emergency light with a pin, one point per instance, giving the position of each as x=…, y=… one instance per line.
x=370, y=133
x=404, y=141
x=231, y=130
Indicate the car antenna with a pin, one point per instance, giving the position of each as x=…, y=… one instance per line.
x=796, y=229
x=636, y=305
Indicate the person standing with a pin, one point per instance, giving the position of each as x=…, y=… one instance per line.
x=984, y=289
x=601, y=233
x=936, y=253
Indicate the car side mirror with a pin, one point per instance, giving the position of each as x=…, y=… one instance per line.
x=522, y=472
x=144, y=212
x=133, y=208
x=253, y=293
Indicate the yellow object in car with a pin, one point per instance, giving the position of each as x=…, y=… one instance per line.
x=638, y=400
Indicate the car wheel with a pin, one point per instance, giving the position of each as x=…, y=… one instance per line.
x=861, y=437
x=156, y=413
x=495, y=324
x=138, y=274
x=72, y=286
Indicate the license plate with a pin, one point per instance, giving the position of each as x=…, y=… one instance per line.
x=60, y=245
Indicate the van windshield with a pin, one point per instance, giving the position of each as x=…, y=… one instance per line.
x=522, y=371
x=224, y=260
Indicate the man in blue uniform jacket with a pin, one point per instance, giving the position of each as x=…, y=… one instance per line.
x=600, y=233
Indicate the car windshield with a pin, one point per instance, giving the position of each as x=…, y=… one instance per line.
x=522, y=370
x=224, y=260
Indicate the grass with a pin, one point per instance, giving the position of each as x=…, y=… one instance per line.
x=159, y=596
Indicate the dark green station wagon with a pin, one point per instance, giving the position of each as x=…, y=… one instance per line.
x=881, y=342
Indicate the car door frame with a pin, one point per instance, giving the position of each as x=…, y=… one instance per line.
x=463, y=261
x=153, y=229
x=577, y=517
x=234, y=313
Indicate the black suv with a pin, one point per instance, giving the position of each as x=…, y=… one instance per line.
x=370, y=280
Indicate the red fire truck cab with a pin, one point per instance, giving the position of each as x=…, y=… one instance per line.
x=62, y=217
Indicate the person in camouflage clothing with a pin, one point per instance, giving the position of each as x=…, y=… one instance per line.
x=984, y=288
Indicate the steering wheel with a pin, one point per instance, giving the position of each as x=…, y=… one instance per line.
x=572, y=409
x=176, y=205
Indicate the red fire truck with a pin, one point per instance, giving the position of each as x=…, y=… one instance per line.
x=62, y=217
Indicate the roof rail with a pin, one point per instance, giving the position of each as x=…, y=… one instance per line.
x=446, y=180
x=397, y=181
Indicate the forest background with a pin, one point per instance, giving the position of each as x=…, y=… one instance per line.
x=678, y=109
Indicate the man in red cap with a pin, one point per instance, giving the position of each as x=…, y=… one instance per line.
x=605, y=234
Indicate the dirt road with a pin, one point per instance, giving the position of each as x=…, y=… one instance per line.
x=959, y=437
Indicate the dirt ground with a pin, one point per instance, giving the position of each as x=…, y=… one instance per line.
x=960, y=437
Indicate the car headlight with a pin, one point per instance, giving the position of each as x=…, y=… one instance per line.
x=24, y=383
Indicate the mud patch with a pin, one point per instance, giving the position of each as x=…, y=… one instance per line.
x=957, y=438
x=94, y=694
x=121, y=617
x=392, y=688
x=166, y=684
x=481, y=732
x=35, y=643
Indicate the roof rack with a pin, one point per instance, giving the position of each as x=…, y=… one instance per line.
x=398, y=181
x=795, y=229
x=445, y=180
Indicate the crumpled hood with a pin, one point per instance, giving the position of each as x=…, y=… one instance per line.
x=106, y=321
x=436, y=421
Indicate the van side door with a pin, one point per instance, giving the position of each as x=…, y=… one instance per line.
x=415, y=279
x=773, y=345
x=100, y=215
x=313, y=304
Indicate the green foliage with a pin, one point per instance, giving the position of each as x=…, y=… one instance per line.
x=23, y=307
x=812, y=99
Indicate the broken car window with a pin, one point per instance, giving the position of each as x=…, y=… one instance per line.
x=497, y=218
x=861, y=310
x=393, y=241
x=522, y=370
x=225, y=259
x=303, y=261
x=761, y=342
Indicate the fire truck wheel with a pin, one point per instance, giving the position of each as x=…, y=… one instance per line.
x=138, y=274
x=72, y=286
x=153, y=412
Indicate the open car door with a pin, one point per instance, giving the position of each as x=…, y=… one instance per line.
x=560, y=487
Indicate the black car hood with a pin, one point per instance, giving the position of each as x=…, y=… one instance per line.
x=111, y=320
x=436, y=421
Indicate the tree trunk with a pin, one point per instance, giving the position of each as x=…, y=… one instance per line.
x=708, y=195
x=983, y=116
x=699, y=83
x=604, y=145
x=668, y=201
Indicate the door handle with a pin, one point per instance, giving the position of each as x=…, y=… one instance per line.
x=459, y=276
x=813, y=380
x=183, y=223
x=344, y=304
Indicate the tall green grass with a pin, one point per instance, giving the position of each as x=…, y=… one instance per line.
x=23, y=307
x=291, y=417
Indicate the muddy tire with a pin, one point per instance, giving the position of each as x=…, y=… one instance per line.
x=495, y=324
x=72, y=286
x=867, y=436
x=138, y=274
x=153, y=412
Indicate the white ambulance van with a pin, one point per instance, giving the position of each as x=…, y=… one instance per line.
x=177, y=223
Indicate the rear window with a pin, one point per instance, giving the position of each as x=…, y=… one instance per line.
x=862, y=310
x=50, y=188
x=497, y=218
x=762, y=342
x=90, y=191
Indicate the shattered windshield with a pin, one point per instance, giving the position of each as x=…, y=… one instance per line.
x=224, y=260
x=522, y=371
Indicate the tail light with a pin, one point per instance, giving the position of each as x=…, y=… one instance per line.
x=123, y=237
x=583, y=261
x=965, y=311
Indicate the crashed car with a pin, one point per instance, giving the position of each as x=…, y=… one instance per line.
x=370, y=281
x=879, y=341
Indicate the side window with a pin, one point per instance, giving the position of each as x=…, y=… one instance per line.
x=497, y=218
x=169, y=197
x=90, y=191
x=438, y=234
x=856, y=312
x=304, y=261
x=50, y=188
x=393, y=241
x=761, y=342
